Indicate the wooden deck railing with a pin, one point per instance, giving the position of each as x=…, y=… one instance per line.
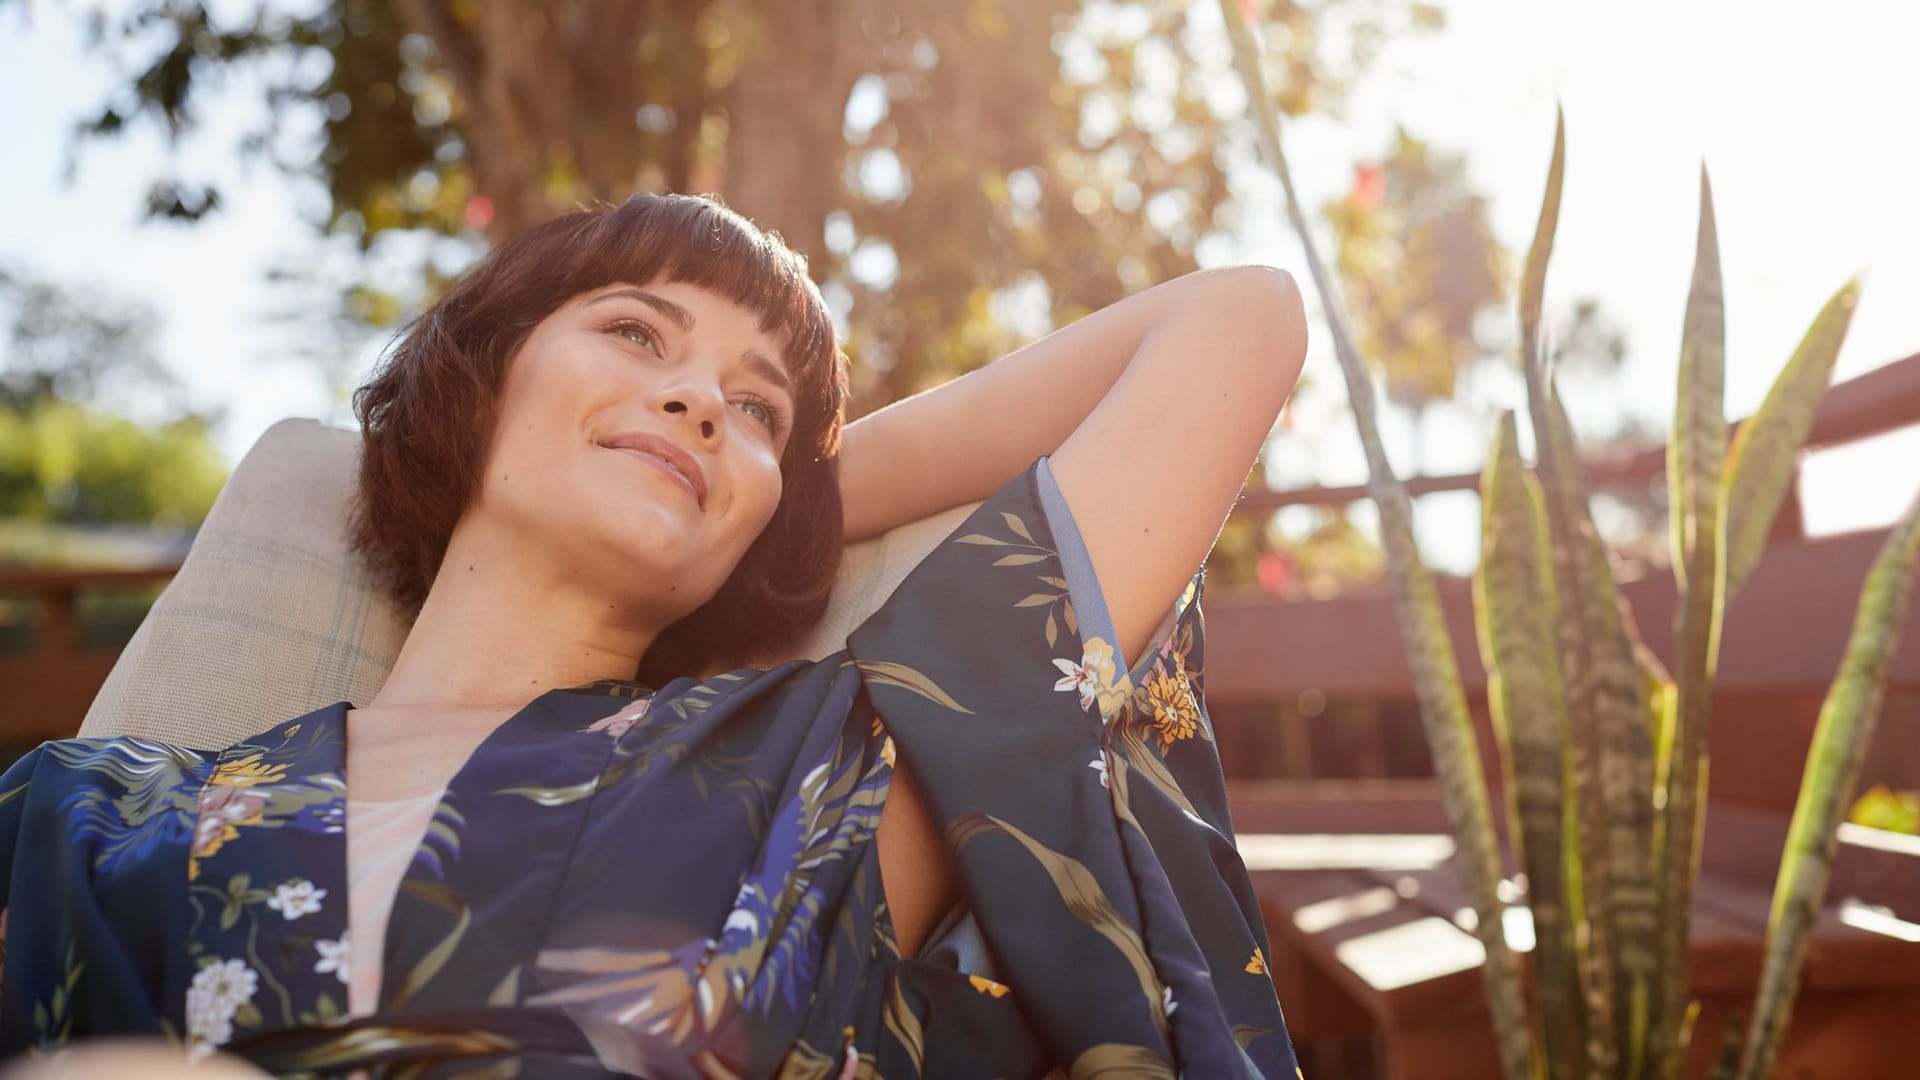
x=1882, y=400
x=45, y=689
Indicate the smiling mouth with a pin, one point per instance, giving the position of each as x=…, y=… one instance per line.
x=670, y=460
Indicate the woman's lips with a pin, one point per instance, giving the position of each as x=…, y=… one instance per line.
x=662, y=454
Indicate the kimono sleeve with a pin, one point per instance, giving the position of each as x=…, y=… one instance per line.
x=1081, y=797
x=13, y=802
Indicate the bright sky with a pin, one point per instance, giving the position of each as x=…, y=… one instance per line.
x=1809, y=121
x=1809, y=118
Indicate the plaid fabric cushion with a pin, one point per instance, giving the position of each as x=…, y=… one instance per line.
x=271, y=616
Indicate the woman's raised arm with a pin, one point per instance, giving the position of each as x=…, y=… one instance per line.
x=1152, y=410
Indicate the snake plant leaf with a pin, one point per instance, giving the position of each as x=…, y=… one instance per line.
x=1443, y=704
x=1840, y=740
x=1699, y=443
x=1533, y=279
x=1448, y=726
x=1586, y=867
x=1515, y=617
x=1695, y=455
x=1588, y=871
x=1760, y=465
x=1612, y=749
x=1728, y=1063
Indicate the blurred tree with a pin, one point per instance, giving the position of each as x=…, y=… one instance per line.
x=1587, y=348
x=1332, y=556
x=961, y=174
x=56, y=343
x=70, y=363
x=1587, y=341
x=1419, y=264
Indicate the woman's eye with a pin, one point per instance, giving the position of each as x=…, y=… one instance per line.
x=637, y=332
x=762, y=411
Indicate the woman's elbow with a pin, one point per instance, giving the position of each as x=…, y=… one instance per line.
x=1269, y=315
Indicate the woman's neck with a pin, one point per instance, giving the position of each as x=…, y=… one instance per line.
x=492, y=634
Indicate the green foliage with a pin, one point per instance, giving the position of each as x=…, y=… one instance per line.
x=1047, y=151
x=1881, y=807
x=64, y=463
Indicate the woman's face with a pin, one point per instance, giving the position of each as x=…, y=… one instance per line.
x=639, y=443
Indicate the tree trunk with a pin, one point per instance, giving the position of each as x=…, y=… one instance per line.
x=784, y=111
x=550, y=92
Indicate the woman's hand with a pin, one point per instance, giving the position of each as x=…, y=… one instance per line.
x=1152, y=410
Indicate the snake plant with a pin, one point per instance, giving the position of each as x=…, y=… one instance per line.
x=1605, y=752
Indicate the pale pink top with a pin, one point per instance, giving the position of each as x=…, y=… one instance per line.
x=382, y=837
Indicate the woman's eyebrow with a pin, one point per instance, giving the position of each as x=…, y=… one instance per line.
x=682, y=318
x=673, y=312
x=768, y=370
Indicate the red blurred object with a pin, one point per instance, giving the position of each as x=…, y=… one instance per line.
x=1274, y=570
x=479, y=212
x=1250, y=9
x=1369, y=185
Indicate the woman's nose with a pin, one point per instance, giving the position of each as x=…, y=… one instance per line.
x=695, y=409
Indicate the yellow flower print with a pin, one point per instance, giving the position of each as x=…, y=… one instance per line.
x=988, y=986
x=1257, y=965
x=1175, y=716
x=886, y=743
x=246, y=772
x=1098, y=660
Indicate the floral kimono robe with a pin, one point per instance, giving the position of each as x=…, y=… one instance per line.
x=684, y=882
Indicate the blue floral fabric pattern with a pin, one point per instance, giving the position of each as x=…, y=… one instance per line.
x=684, y=882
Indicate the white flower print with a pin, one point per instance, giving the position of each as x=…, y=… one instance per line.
x=621, y=722
x=333, y=956
x=1075, y=677
x=1099, y=765
x=217, y=992
x=1166, y=1000
x=296, y=898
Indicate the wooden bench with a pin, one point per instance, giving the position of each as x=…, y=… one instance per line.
x=1370, y=929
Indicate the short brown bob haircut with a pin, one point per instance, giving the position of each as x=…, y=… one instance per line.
x=428, y=414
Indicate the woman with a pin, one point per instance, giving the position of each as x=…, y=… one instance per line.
x=989, y=838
